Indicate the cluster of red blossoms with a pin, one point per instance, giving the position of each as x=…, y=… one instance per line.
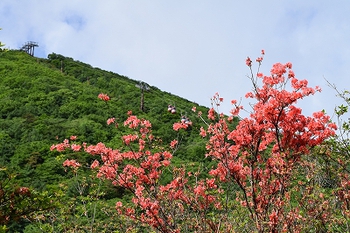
x=103, y=97
x=258, y=157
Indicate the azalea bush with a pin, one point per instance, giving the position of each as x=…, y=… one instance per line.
x=81, y=205
x=328, y=174
x=339, y=152
x=253, y=183
x=18, y=203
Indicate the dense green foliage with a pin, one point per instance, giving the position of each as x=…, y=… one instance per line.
x=44, y=101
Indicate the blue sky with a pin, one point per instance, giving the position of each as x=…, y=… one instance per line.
x=192, y=48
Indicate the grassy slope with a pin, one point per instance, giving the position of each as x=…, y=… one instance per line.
x=40, y=106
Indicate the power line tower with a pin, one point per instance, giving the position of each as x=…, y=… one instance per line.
x=143, y=87
x=29, y=47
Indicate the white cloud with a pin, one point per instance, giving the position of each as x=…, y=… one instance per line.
x=191, y=48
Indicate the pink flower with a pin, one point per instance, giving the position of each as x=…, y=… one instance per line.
x=129, y=138
x=273, y=218
x=177, y=126
x=61, y=146
x=138, y=191
x=203, y=133
x=211, y=183
x=103, y=97
x=291, y=74
x=71, y=163
x=132, y=121
x=95, y=164
x=52, y=147
x=146, y=123
x=142, y=144
x=235, y=111
x=289, y=65
x=118, y=204
x=193, y=109
x=249, y=95
x=211, y=114
x=130, y=211
x=166, y=163
x=248, y=62
x=73, y=137
x=199, y=190
x=110, y=121
x=167, y=155
x=75, y=147
x=318, y=114
x=173, y=143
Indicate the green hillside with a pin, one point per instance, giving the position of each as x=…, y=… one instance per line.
x=44, y=101
x=277, y=171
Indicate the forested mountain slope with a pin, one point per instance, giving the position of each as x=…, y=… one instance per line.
x=44, y=101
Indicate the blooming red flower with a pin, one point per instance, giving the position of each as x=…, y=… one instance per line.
x=110, y=121
x=249, y=95
x=166, y=163
x=71, y=163
x=203, y=133
x=129, y=138
x=173, y=143
x=248, y=62
x=178, y=125
x=118, y=204
x=103, y=97
x=211, y=114
x=199, y=190
x=76, y=147
x=259, y=59
x=95, y=164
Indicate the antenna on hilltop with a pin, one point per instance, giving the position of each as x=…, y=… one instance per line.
x=143, y=87
x=29, y=47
